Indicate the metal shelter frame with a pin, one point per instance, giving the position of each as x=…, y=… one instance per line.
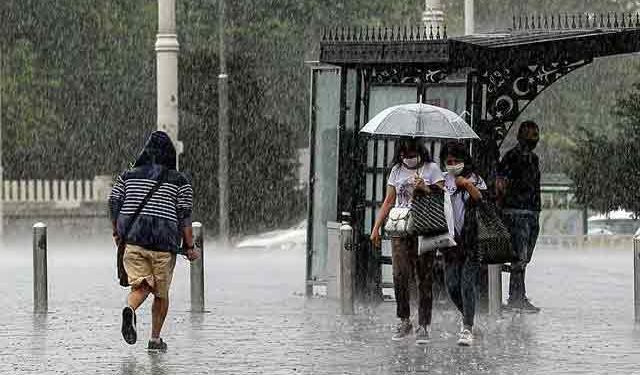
x=503, y=73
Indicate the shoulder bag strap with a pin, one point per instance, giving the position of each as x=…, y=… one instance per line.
x=144, y=202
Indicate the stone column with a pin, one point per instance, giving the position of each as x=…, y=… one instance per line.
x=433, y=14
x=167, y=48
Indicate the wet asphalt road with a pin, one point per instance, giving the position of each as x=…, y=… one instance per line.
x=259, y=322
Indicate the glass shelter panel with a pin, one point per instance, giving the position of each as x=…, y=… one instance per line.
x=451, y=95
x=325, y=120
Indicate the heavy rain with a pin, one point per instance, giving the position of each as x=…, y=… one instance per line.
x=319, y=187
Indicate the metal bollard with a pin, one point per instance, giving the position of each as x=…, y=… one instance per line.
x=196, y=273
x=345, y=268
x=40, y=294
x=495, y=288
x=636, y=277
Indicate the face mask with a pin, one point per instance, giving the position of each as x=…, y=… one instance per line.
x=410, y=162
x=529, y=144
x=455, y=170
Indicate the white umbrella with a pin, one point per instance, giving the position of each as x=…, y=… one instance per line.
x=419, y=120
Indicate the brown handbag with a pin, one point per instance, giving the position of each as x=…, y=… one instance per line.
x=123, y=278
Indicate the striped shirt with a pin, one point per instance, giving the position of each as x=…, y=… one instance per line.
x=164, y=203
x=161, y=220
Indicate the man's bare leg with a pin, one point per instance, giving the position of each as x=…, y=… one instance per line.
x=138, y=295
x=158, y=313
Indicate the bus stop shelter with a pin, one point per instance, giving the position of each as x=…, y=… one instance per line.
x=487, y=78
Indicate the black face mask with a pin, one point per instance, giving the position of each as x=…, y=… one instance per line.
x=529, y=144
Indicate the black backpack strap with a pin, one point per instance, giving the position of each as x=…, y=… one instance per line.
x=144, y=202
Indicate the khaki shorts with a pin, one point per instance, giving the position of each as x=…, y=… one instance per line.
x=154, y=267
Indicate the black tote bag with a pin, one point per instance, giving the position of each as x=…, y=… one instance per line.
x=427, y=214
x=487, y=234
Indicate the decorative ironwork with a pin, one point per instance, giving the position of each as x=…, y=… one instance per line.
x=386, y=52
x=509, y=91
x=576, y=21
x=384, y=34
x=406, y=75
x=506, y=72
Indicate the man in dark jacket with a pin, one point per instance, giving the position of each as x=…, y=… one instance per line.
x=156, y=235
x=518, y=185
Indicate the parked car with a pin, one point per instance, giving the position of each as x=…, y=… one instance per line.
x=600, y=232
x=618, y=222
x=283, y=239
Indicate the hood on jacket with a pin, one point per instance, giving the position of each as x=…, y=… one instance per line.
x=158, y=149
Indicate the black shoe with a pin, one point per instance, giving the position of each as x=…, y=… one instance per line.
x=523, y=306
x=159, y=346
x=527, y=307
x=403, y=330
x=129, y=325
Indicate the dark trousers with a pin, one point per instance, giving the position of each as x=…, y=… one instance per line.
x=406, y=265
x=524, y=227
x=462, y=270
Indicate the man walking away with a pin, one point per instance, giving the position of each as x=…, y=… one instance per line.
x=518, y=190
x=155, y=235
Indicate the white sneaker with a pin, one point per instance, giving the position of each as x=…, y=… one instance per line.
x=423, y=334
x=465, y=338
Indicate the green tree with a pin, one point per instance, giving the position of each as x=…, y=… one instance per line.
x=78, y=84
x=605, y=164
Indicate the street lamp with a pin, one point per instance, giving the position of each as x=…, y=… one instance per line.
x=223, y=132
x=469, y=17
x=167, y=48
x=433, y=15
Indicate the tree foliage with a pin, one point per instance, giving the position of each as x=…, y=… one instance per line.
x=606, y=164
x=77, y=80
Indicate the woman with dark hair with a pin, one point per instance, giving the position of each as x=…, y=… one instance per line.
x=462, y=265
x=413, y=172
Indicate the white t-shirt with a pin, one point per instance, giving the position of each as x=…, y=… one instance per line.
x=460, y=198
x=403, y=180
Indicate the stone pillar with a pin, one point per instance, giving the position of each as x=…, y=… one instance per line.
x=433, y=14
x=223, y=134
x=167, y=48
x=469, y=17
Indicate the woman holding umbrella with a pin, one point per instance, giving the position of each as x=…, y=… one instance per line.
x=413, y=172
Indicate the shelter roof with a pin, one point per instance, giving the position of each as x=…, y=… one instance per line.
x=547, y=41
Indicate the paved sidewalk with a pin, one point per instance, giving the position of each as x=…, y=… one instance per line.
x=259, y=322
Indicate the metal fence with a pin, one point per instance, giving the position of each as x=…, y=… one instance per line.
x=95, y=190
x=579, y=241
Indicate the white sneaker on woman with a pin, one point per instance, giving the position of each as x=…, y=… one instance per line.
x=423, y=334
x=465, y=338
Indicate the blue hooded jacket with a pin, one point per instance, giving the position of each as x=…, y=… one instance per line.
x=160, y=223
